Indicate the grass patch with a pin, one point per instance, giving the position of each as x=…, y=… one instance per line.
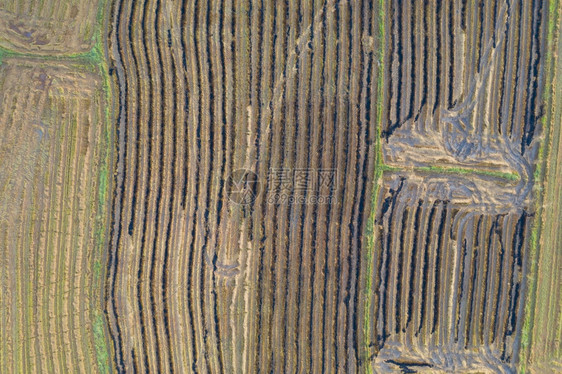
x=514, y=177
x=102, y=354
x=96, y=58
x=379, y=168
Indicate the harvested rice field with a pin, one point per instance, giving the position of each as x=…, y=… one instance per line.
x=311, y=186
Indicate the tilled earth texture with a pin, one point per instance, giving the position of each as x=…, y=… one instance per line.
x=308, y=186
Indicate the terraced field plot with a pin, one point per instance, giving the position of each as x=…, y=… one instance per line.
x=464, y=96
x=198, y=283
x=53, y=135
x=47, y=26
x=265, y=186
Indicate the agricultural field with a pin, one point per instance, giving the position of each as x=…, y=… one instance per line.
x=53, y=141
x=246, y=186
x=48, y=26
x=196, y=282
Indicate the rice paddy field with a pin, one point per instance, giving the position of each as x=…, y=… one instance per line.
x=311, y=186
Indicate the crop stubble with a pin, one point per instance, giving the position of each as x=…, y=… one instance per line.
x=53, y=136
x=197, y=283
x=464, y=87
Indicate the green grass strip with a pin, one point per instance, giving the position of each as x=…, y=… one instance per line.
x=379, y=167
x=468, y=171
